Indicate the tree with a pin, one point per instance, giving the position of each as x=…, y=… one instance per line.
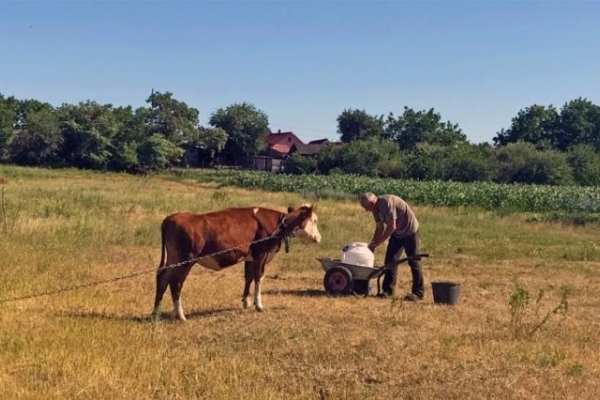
x=579, y=124
x=246, y=127
x=27, y=107
x=131, y=132
x=8, y=116
x=212, y=140
x=371, y=157
x=415, y=127
x=170, y=117
x=88, y=129
x=38, y=140
x=207, y=143
x=157, y=152
x=426, y=162
x=358, y=125
x=535, y=124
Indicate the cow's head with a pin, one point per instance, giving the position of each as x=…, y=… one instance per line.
x=302, y=223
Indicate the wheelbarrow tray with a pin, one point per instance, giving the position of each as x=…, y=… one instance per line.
x=359, y=272
x=363, y=272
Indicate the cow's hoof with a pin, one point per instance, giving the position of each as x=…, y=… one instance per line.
x=179, y=316
x=260, y=308
x=155, y=315
x=246, y=303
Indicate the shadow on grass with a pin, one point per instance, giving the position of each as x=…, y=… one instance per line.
x=212, y=312
x=147, y=318
x=297, y=292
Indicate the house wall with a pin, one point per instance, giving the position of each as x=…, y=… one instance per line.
x=262, y=163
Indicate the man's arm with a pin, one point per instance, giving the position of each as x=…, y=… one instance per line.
x=381, y=234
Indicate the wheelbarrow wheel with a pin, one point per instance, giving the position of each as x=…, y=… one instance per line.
x=338, y=281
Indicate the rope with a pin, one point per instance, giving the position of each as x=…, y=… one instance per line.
x=128, y=276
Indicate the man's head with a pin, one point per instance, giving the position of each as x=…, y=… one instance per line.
x=368, y=201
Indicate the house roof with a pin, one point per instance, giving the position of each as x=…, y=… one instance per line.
x=277, y=137
x=307, y=149
x=280, y=143
x=319, y=141
x=281, y=148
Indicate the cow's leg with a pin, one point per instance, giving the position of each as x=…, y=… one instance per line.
x=162, y=280
x=248, y=277
x=258, y=272
x=257, y=295
x=176, y=284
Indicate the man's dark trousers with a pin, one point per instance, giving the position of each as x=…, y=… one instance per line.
x=410, y=244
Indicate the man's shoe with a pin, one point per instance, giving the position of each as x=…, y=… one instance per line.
x=413, y=297
x=384, y=295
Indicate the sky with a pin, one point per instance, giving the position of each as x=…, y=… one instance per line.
x=476, y=63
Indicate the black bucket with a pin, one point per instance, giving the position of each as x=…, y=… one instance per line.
x=445, y=292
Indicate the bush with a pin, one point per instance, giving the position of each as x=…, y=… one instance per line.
x=298, y=164
x=329, y=157
x=521, y=163
x=367, y=157
x=585, y=165
x=469, y=163
x=526, y=320
x=426, y=162
x=157, y=152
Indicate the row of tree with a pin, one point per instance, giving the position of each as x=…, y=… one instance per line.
x=578, y=122
x=95, y=136
x=518, y=162
x=542, y=145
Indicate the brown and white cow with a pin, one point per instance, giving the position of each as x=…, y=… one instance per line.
x=223, y=238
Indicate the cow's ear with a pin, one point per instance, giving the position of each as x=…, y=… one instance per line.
x=310, y=208
x=290, y=209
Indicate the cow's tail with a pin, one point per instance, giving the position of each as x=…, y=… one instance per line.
x=163, y=249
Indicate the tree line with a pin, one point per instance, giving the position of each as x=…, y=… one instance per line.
x=103, y=137
x=543, y=145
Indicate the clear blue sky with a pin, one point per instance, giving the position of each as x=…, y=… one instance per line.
x=477, y=63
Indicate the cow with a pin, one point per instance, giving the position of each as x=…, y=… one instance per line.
x=220, y=239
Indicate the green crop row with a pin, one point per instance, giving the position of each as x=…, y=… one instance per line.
x=489, y=196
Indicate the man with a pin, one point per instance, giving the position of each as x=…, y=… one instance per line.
x=397, y=222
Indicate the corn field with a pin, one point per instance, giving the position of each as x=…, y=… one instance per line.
x=484, y=195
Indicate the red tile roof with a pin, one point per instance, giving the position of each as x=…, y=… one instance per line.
x=282, y=142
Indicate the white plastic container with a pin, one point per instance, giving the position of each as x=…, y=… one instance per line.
x=358, y=253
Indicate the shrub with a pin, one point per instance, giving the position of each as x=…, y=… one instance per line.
x=525, y=318
x=521, y=163
x=585, y=164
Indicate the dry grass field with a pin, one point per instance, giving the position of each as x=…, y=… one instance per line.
x=60, y=229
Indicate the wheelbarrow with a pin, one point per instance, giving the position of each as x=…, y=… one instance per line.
x=343, y=279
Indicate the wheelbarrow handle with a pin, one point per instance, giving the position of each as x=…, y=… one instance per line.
x=379, y=271
x=405, y=259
